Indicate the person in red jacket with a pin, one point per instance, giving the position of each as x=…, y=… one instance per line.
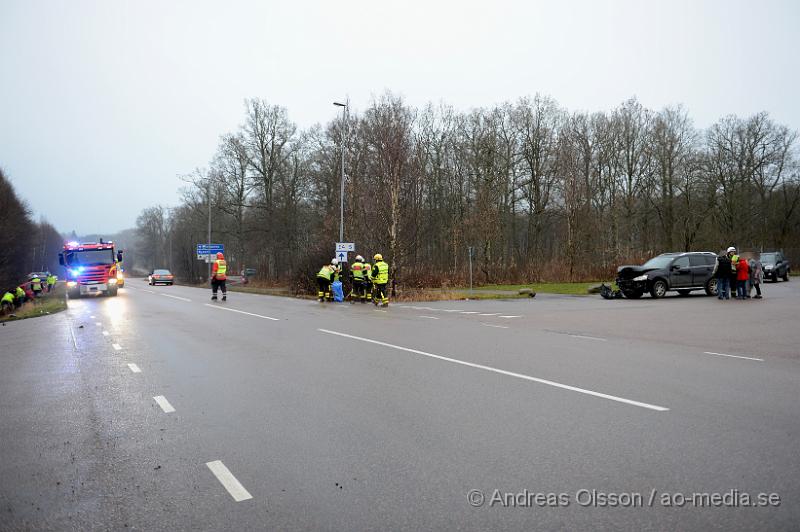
x=219, y=272
x=742, y=276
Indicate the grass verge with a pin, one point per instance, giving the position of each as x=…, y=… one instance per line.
x=50, y=303
x=546, y=288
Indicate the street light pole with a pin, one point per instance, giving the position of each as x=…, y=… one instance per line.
x=341, y=190
x=208, y=191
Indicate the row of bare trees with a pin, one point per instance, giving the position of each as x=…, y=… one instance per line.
x=25, y=245
x=538, y=191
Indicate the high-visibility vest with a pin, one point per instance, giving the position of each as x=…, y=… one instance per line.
x=20, y=293
x=8, y=297
x=36, y=284
x=381, y=272
x=734, y=262
x=51, y=280
x=325, y=272
x=222, y=269
x=358, y=270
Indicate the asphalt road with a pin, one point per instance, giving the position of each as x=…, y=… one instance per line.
x=280, y=414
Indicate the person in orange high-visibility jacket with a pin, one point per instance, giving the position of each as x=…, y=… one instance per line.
x=218, y=277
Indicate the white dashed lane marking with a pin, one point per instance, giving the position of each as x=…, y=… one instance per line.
x=116, y=347
x=504, y=372
x=134, y=368
x=164, y=404
x=495, y=326
x=510, y=316
x=177, y=297
x=733, y=356
x=430, y=317
x=228, y=481
x=241, y=312
x=105, y=333
x=588, y=337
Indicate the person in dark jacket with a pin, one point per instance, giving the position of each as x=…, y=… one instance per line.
x=722, y=274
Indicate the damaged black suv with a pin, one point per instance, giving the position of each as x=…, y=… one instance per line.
x=682, y=272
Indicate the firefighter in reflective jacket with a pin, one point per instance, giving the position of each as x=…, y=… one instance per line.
x=7, y=302
x=324, y=280
x=36, y=286
x=219, y=272
x=379, y=275
x=358, y=276
x=20, y=296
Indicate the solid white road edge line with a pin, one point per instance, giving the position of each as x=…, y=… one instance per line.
x=490, y=314
x=496, y=326
x=177, y=297
x=241, y=312
x=74, y=340
x=510, y=316
x=134, y=368
x=228, y=481
x=504, y=372
x=733, y=356
x=430, y=317
x=164, y=404
x=469, y=312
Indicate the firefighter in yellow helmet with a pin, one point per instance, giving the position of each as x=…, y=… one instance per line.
x=358, y=276
x=325, y=278
x=379, y=275
x=219, y=274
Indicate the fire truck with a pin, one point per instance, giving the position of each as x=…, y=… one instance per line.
x=92, y=268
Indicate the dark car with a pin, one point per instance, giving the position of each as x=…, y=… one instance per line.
x=775, y=266
x=160, y=277
x=682, y=272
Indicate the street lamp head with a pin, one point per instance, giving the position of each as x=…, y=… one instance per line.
x=340, y=104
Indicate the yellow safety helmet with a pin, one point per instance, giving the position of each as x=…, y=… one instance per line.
x=378, y=256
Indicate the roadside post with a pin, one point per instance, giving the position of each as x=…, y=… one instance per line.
x=470, y=252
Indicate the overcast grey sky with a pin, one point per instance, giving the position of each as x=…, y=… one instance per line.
x=103, y=104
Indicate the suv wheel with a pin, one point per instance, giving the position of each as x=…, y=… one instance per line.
x=659, y=288
x=786, y=275
x=711, y=287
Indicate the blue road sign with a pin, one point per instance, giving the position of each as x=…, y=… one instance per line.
x=210, y=249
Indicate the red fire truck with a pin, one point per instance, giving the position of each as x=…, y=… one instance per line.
x=92, y=268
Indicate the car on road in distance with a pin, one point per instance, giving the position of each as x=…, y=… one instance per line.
x=160, y=277
x=680, y=272
x=775, y=265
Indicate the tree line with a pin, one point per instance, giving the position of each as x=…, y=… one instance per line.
x=25, y=245
x=539, y=192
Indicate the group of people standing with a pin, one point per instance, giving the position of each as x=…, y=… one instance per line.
x=736, y=273
x=369, y=281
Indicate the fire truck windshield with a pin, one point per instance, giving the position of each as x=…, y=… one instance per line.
x=90, y=257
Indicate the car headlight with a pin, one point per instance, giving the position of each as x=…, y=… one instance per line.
x=641, y=278
x=112, y=280
x=72, y=283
